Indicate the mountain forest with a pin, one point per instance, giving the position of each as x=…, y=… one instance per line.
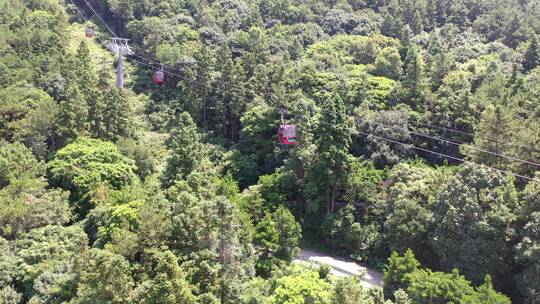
x=186, y=151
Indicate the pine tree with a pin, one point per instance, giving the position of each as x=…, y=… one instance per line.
x=186, y=148
x=83, y=68
x=459, y=13
x=267, y=238
x=526, y=142
x=289, y=233
x=106, y=278
x=431, y=15
x=237, y=101
x=117, y=118
x=532, y=56
x=96, y=105
x=405, y=40
x=514, y=77
x=73, y=108
x=527, y=250
x=169, y=286
x=414, y=82
x=89, y=86
x=72, y=116
x=205, y=68
x=392, y=20
x=224, y=94
x=234, y=269
x=440, y=12
x=332, y=162
x=417, y=25
x=442, y=64
x=511, y=32
x=395, y=273
x=493, y=133
x=408, y=8
x=231, y=95
x=259, y=52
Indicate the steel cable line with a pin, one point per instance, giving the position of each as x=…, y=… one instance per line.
x=86, y=19
x=78, y=11
x=96, y=36
x=443, y=139
x=94, y=13
x=423, y=149
x=363, y=133
x=99, y=17
x=447, y=129
x=353, y=130
x=433, y=126
x=357, y=118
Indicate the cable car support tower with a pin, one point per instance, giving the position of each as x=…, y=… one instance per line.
x=120, y=47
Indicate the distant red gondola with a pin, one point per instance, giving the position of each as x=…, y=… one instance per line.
x=286, y=132
x=89, y=32
x=287, y=135
x=159, y=77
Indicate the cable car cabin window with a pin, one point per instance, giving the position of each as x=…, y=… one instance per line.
x=289, y=131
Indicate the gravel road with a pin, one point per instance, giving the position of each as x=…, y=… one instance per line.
x=343, y=267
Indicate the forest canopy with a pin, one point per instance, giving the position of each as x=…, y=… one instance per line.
x=416, y=150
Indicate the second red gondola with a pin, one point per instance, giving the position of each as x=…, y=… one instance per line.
x=287, y=135
x=89, y=32
x=286, y=132
x=159, y=77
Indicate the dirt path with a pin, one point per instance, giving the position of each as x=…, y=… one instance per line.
x=343, y=267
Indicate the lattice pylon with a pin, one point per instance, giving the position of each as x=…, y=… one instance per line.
x=120, y=46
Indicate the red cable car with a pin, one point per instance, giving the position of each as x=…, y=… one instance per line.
x=89, y=32
x=159, y=77
x=286, y=133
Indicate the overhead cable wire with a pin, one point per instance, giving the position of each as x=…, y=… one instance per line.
x=79, y=11
x=357, y=118
x=424, y=150
x=444, y=140
x=361, y=132
x=427, y=125
x=451, y=130
x=99, y=17
x=440, y=139
x=445, y=129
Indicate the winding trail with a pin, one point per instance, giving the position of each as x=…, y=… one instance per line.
x=342, y=267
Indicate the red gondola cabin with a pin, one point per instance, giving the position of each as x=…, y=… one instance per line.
x=287, y=135
x=89, y=32
x=159, y=77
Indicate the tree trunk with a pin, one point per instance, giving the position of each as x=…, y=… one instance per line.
x=204, y=110
x=231, y=124
x=333, y=199
x=53, y=140
x=497, y=136
x=328, y=201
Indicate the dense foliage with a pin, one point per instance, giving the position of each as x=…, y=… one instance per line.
x=180, y=193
